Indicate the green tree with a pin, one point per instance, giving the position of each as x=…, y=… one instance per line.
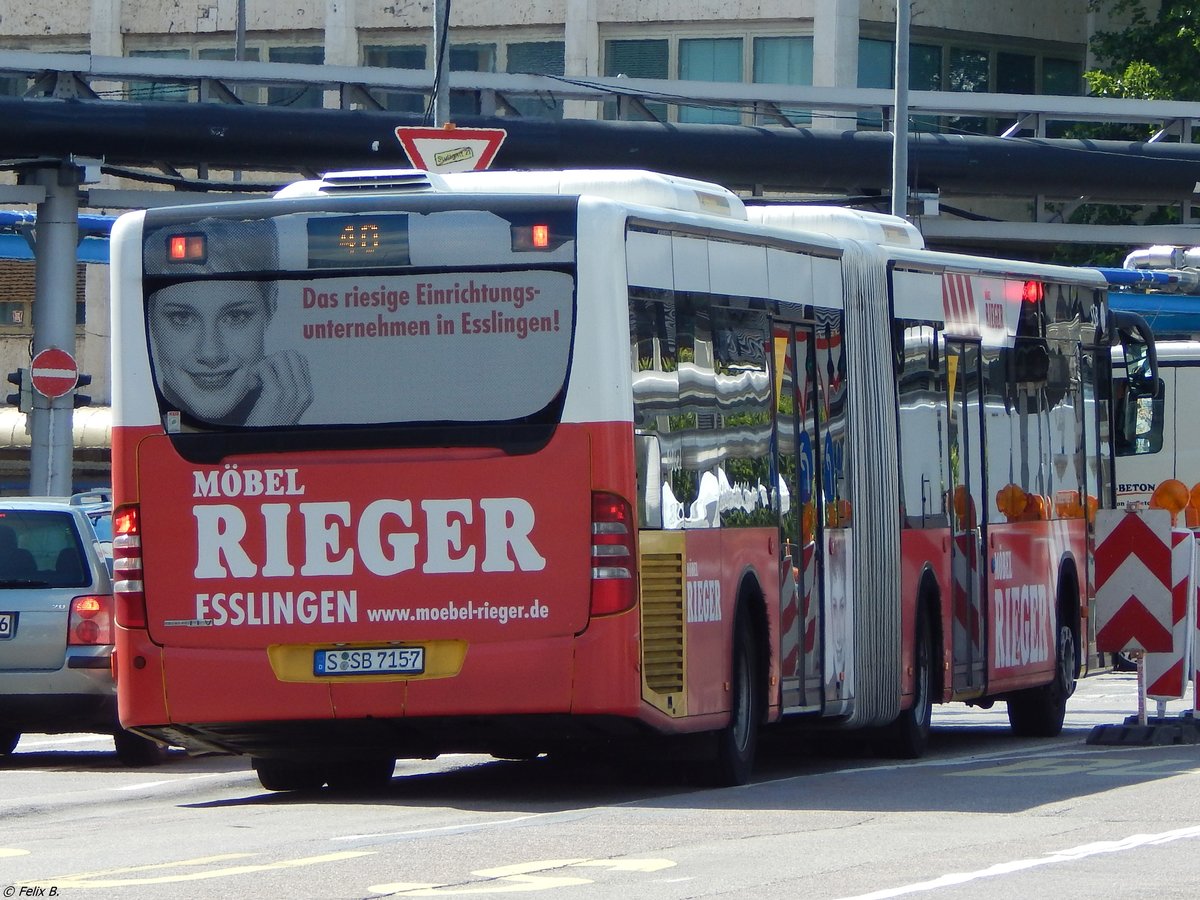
x=1154, y=57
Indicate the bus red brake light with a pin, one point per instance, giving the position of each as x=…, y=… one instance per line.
x=533, y=237
x=191, y=248
x=91, y=621
x=1033, y=291
x=127, y=569
x=613, y=585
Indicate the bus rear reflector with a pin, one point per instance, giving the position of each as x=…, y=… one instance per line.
x=91, y=621
x=127, y=568
x=613, y=584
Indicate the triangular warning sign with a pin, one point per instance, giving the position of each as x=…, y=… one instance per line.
x=450, y=149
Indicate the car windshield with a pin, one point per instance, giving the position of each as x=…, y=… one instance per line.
x=40, y=548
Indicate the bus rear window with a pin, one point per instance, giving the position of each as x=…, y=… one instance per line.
x=352, y=329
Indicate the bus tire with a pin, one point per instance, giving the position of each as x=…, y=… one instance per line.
x=1039, y=711
x=288, y=774
x=8, y=741
x=360, y=774
x=737, y=742
x=908, y=736
x=136, y=751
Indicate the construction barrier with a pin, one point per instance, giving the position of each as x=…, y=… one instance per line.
x=1167, y=674
x=1134, y=581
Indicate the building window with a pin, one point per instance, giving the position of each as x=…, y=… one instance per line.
x=159, y=90
x=296, y=96
x=537, y=58
x=245, y=92
x=18, y=291
x=13, y=87
x=784, y=60
x=1016, y=73
x=970, y=72
x=470, y=58
x=709, y=59
x=405, y=57
x=1062, y=76
x=636, y=59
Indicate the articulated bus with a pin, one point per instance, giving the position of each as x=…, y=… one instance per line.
x=588, y=461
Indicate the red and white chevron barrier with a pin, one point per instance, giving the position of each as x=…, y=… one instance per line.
x=1167, y=674
x=1134, y=599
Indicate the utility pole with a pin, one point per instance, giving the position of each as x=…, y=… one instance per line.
x=441, y=62
x=52, y=443
x=900, y=113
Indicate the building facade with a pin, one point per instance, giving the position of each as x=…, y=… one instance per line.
x=1010, y=46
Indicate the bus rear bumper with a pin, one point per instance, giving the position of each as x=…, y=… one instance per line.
x=510, y=698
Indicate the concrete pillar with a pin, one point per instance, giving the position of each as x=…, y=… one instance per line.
x=106, y=37
x=341, y=40
x=583, y=54
x=835, y=55
x=57, y=236
x=106, y=40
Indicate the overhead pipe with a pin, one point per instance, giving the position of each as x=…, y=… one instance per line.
x=855, y=162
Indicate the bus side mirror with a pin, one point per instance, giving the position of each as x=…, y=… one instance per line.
x=1137, y=347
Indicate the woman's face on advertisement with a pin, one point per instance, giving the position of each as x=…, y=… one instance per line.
x=208, y=344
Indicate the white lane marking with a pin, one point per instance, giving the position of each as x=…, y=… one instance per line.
x=1062, y=856
x=27, y=744
x=143, y=785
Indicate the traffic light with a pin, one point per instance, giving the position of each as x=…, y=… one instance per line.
x=82, y=399
x=22, y=397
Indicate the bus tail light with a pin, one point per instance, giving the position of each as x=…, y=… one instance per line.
x=613, y=584
x=127, y=568
x=91, y=621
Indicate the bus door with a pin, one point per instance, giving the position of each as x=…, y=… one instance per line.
x=798, y=454
x=967, y=507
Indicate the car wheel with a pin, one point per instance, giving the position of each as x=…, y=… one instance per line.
x=136, y=751
x=8, y=741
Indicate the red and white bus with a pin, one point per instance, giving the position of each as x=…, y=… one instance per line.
x=536, y=462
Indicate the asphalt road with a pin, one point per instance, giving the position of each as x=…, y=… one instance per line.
x=984, y=814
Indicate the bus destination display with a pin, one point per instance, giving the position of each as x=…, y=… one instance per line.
x=351, y=241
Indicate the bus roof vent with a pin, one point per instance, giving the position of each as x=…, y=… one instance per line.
x=366, y=181
x=878, y=228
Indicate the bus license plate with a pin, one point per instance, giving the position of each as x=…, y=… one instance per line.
x=8, y=625
x=370, y=661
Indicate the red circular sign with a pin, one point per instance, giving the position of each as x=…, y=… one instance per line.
x=54, y=373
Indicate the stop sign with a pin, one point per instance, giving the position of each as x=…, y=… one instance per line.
x=54, y=373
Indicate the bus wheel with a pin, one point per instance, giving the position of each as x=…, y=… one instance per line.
x=288, y=774
x=738, y=741
x=360, y=774
x=134, y=751
x=909, y=734
x=1039, y=711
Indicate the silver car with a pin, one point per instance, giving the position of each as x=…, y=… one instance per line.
x=57, y=622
